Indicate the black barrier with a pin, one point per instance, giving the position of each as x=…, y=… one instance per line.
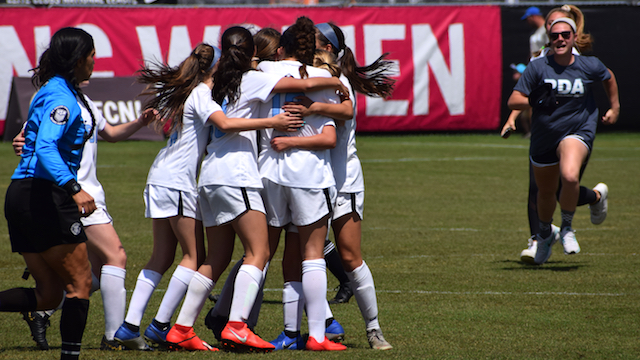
x=117, y=99
x=611, y=27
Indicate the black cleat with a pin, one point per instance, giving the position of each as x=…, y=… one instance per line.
x=38, y=325
x=111, y=345
x=344, y=294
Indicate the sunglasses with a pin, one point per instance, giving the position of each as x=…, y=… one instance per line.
x=565, y=35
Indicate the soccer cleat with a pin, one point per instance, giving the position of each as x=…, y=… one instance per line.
x=528, y=255
x=334, y=331
x=131, y=340
x=183, y=337
x=111, y=345
x=599, y=209
x=326, y=345
x=156, y=337
x=237, y=337
x=215, y=323
x=377, y=341
x=283, y=342
x=343, y=295
x=569, y=242
x=544, y=245
x=38, y=323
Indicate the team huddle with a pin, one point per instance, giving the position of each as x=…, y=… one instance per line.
x=261, y=139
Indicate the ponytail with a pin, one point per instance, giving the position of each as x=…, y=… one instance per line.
x=299, y=42
x=170, y=87
x=371, y=80
x=237, y=51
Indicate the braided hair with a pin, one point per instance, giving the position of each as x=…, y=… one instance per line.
x=299, y=42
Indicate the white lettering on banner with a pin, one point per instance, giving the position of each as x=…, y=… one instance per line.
x=211, y=35
x=373, y=37
x=180, y=45
x=427, y=53
x=103, y=47
x=42, y=35
x=12, y=56
x=119, y=112
x=149, y=44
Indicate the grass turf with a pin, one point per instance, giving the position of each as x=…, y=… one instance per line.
x=444, y=224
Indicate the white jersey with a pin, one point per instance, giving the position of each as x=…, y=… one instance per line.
x=232, y=157
x=297, y=167
x=344, y=157
x=176, y=165
x=87, y=177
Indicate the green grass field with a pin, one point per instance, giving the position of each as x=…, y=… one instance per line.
x=445, y=222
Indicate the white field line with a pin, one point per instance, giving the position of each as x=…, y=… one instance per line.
x=472, y=158
x=499, y=146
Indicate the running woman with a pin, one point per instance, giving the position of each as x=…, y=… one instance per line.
x=559, y=88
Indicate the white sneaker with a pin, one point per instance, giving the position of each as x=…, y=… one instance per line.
x=528, y=255
x=569, y=241
x=599, y=209
x=544, y=246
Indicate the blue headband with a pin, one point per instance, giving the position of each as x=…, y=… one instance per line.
x=328, y=32
x=216, y=57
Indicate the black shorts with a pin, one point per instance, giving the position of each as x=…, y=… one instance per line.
x=40, y=215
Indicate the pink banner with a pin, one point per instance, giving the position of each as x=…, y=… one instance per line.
x=448, y=58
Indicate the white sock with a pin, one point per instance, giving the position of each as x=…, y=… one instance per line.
x=365, y=292
x=255, y=311
x=246, y=288
x=145, y=285
x=329, y=314
x=175, y=292
x=114, y=298
x=199, y=289
x=314, y=287
x=223, y=305
x=292, y=305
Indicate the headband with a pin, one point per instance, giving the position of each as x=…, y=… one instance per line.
x=328, y=32
x=216, y=57
x=566, y=21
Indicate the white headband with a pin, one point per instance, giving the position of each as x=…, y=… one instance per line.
x=566, y=21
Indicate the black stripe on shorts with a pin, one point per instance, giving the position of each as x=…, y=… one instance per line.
x=246, y=198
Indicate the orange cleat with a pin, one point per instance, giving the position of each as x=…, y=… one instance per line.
x=236, y=336
x=183, y=337
x=326, y=345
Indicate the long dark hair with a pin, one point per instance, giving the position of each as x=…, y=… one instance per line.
x=371, y=80
x=299, y=41
x=237, y=51
x=67, y=47
x=170, y=87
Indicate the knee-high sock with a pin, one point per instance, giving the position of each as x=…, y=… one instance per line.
x=175, y=292
x=72, y=324
x=223, y=305
x=365, y=292
x=255, y=310
x=114, y=298
x=18, y=299
x=246, y=287
x=314, y=287
x=292, y=305
x=199, y=289
x=145, y=285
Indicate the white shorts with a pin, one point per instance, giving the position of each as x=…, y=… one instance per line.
x=162, y=202
x=348, y=203
x=98, y=217
x=221, y=204
x=296, y=205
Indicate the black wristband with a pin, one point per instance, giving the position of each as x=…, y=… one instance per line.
x=72, y=187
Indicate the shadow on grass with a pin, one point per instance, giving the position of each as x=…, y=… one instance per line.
x=548, y=266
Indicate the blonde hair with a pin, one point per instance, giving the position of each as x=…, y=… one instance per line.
x=326, y=60
x=584, y=42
